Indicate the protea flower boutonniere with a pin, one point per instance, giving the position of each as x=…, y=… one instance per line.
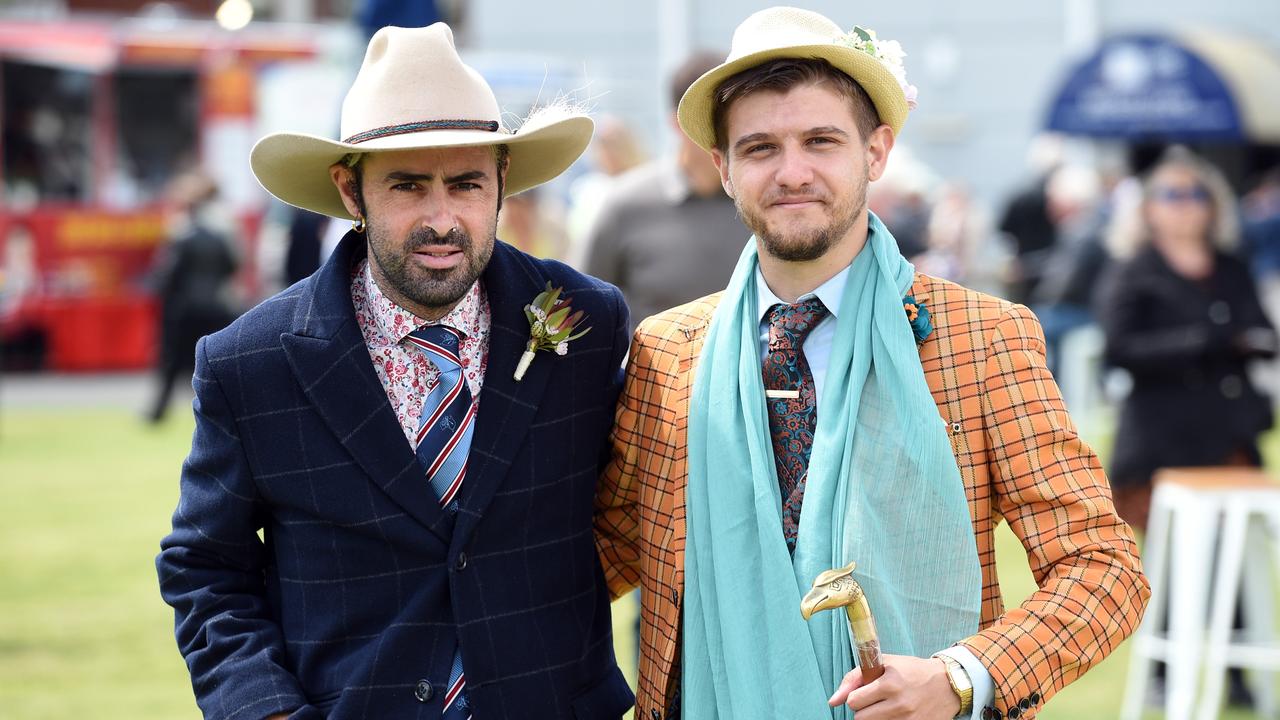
x=551, y=326
x=919, y=317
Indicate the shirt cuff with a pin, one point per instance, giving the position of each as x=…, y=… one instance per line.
x=983, y=687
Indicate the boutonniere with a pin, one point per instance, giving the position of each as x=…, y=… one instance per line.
x=918, y=316
x=551, y=326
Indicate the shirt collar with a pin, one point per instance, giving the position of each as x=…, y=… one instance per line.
x=828, y=292
x=396, y=322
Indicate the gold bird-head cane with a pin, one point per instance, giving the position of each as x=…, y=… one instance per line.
x=837, y=589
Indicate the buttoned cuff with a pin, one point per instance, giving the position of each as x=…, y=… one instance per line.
x=983, y=687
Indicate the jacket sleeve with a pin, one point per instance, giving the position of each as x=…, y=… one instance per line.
x=1255, y=332
x=212, y=568
x=1050, y=487
x=617, y=521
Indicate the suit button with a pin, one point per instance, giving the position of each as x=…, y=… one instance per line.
x=1035, y=698
x=1014, y=713
x=986, y=713
x=653, y=713
x=461, y=562
x=675, y=596
x=1025, y=705
x=423, y=691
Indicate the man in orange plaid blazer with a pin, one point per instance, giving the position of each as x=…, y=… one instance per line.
x=796, y=144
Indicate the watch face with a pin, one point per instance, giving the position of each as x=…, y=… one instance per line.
x=961, y=677
x=956, y=673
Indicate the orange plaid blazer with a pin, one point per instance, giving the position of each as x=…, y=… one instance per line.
x=1019, y=456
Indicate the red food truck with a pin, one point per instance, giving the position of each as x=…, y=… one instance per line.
x=97, y=117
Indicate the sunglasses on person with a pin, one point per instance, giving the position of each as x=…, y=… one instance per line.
x=1172, y=195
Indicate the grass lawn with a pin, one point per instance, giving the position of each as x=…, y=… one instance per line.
x=85, y=496
x=83, y=632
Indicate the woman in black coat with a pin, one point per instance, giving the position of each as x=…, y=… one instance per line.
x=192, y=281
x=1183, y=317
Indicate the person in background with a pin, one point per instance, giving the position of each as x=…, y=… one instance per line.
x=302, y=254
x=23, y=344
x=1260, y=211
x=614, y=150
x=668, y=233
x=903, y=199
x=1063, y=299
x=192, y=281
x=960, y=244
x=533, y=222
x=1180, y=313
x=1026, y=219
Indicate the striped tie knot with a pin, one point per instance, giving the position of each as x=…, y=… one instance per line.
x=441, y=345
x=448, y=415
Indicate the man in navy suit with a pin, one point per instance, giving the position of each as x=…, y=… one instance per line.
x=378, y=518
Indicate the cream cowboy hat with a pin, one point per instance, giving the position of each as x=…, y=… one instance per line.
x=413, y=91
x=786, y=32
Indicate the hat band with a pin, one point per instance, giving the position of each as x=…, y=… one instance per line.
x=484, y=125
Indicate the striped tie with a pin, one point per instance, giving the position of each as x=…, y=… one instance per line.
x=444, y=441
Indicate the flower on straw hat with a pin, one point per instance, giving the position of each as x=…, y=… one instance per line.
x=888, y=52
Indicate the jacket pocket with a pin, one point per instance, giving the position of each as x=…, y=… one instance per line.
x=608, y=699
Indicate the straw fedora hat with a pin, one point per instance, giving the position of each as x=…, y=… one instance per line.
x=787, y=32
x=413, y=91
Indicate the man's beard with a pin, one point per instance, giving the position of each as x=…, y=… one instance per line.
x=809, y=243
x=436, y=290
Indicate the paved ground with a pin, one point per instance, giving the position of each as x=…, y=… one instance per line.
x=128, y=391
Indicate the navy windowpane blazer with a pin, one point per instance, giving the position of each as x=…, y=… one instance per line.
x=349, y=602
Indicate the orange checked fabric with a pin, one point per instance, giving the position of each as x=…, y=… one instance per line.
x=1019, y=455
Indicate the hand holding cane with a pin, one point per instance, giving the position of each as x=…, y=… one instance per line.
x=837, y=589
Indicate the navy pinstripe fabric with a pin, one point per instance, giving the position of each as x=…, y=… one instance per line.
x=349, y=604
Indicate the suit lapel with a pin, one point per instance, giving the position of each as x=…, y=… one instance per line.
x=507, y=407
x=329, y=358
x=946, y=371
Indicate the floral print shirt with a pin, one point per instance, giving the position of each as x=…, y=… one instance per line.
x=406, y=373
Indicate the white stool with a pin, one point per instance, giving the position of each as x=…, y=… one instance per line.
x=1191, y=509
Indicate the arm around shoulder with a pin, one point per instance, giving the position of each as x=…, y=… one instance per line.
x=617, y=520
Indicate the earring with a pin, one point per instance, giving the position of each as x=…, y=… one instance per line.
x=358, y=225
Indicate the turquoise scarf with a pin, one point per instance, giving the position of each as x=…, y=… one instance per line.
x=883, y=490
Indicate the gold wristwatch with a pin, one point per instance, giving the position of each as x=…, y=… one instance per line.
x=960, y=683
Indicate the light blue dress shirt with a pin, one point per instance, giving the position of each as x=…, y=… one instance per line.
x=817, y=350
